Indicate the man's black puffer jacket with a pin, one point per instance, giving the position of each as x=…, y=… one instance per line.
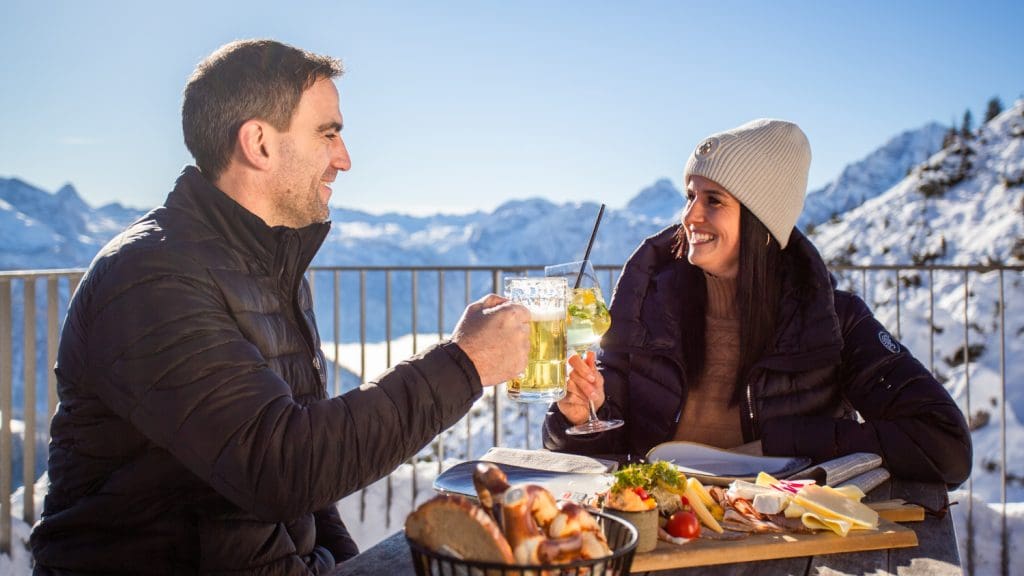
x=830, y=358
x=194, y=433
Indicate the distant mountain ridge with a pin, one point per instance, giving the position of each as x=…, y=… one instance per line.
x=40, y=230
x=872, y=175
x=43, y=230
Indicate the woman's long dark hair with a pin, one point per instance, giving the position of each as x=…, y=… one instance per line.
x=758, y=289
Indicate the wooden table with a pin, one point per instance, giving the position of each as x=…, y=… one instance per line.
x=936, y=553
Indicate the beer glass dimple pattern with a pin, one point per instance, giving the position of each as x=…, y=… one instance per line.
x=545, y=377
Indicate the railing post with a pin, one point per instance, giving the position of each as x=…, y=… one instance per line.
x=362, y=327
x=362, y=366
x=967, y=396
x=6, y=400
x=495, y=276
x=387, y=317
x=414, y=294
x=931, y=321
x=52, y=324
x=1004, y=539
x=469, y=417
x=28, y=468
x=899, y=331
x=336, y=317
x=415, y=298
x=440, y=337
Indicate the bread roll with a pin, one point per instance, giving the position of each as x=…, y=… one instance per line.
x=454, y=522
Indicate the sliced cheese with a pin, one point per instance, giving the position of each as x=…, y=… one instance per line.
x=817, y=522
x=851, y=491
x=830, y=504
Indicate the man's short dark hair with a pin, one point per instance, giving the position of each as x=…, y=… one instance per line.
x=241, y=81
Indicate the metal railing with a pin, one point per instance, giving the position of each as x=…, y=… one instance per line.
x=35, y=421
x=353, y=302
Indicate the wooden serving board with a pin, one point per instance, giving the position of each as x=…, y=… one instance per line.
x=704, y=552
x=897, y=510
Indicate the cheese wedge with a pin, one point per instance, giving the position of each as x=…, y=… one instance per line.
x=699, y=489
x=832, y=505
x=771, y=502
x=701, y=510
x=794, y=510
x=748, y=491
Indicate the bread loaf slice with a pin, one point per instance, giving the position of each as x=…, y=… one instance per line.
x=454, y=523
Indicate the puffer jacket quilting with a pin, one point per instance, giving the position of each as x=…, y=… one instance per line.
x=828, y=362
x=194, y=432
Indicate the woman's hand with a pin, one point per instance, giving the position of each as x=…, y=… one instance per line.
x=584, y=382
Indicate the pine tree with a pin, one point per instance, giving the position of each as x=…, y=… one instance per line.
x=965, y=127
x=995, y=107
x=950, y=137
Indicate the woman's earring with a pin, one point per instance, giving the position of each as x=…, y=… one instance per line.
x=768, y=239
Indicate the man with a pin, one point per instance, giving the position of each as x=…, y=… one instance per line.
x=194, y=433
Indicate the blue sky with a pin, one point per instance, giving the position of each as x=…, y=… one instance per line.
x=461, y=105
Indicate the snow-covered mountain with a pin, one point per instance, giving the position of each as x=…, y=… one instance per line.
x=872, y=175
x=43, y=230
x=963, y=205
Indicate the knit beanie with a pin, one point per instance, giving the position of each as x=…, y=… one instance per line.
x=764, y=164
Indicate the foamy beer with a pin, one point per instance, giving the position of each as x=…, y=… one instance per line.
x=544, y=379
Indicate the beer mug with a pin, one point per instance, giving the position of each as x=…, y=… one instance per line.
x=545, y=377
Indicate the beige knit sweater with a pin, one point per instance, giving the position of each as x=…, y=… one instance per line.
x=708, y=418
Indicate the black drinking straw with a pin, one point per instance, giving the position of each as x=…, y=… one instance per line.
x=586, y=256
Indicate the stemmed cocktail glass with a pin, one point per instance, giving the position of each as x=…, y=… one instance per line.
x=587, y=319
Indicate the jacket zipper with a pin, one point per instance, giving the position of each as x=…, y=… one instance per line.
x=750, y=412
x=292, y=287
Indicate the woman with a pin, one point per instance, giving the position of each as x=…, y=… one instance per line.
x=727, y=330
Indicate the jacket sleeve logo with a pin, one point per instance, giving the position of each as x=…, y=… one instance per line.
x=887, y=341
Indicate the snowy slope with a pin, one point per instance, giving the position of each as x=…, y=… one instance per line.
x=964, y=205
x=869, y=177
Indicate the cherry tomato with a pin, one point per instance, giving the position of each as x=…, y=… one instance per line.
x=683, y=524
x=641, y=493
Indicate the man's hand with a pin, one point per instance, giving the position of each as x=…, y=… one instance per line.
x=495, y=334
x=584, y=382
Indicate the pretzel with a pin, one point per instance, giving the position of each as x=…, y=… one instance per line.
x=574, y=519
x=526, y=509
x=490, y=484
